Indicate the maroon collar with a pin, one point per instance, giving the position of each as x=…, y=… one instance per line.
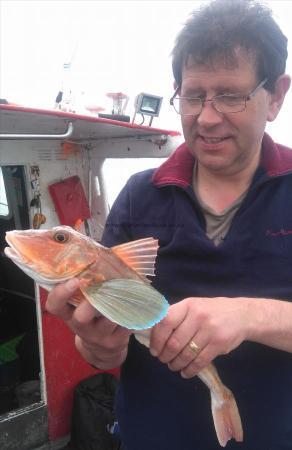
x=178, y=169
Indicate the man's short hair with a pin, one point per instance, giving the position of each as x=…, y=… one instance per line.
x=215, y=31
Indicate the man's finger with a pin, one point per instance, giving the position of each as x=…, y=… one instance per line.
x=85, y=313
x=58, y=298
x=164, y=329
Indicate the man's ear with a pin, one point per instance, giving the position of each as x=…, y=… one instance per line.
x=175, y=85
x=277, y=97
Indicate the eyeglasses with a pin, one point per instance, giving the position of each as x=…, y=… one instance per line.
x=225, y=103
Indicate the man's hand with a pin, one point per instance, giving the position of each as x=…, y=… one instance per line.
x=101, y=342
x=215, y=325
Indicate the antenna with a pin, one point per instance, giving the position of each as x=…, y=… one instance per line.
x=64, y=98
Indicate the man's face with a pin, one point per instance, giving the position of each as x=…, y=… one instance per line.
x=225, y=143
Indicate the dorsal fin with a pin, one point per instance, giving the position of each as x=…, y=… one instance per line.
x=140, y=255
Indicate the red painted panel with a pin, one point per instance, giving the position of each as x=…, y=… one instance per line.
x=64, y=368
x=70, y=200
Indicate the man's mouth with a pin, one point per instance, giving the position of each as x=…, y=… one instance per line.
x=213, y=140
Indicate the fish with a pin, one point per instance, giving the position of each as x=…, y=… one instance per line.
x=114, y=281
x=226, y=417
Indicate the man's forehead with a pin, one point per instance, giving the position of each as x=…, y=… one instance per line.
x=232, y=61
x=218, y=77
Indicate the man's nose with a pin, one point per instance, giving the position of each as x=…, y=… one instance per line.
x=209, y=115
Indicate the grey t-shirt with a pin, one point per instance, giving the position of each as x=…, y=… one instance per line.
x=218, y=224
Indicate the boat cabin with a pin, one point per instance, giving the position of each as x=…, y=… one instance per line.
x=52, y=171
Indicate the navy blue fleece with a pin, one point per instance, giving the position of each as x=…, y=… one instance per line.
x=156, y=408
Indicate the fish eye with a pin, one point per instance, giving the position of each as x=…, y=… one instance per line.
x=61, y=237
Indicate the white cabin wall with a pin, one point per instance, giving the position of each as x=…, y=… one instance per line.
x=86, y=162
x=93, y=141
x=97, y=199
x=53, y=165
x=139, y=147
x=145, y=147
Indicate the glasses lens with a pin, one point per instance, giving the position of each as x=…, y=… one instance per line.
x=229, y=103
x=187, y=106
x=222, y=103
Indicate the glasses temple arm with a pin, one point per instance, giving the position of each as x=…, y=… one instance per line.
x=252, y=94
x=174, y=95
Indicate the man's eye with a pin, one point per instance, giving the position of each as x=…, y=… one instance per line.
x=194, y=101
x=231, y=99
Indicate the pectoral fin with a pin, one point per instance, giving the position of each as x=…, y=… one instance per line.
x=129, y=303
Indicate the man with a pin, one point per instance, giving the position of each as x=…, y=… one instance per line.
x=221, y=209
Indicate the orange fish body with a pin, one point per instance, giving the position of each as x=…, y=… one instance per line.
x=111, y=277
x=115, y=284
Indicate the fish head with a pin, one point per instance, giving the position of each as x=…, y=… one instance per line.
x=52, y=256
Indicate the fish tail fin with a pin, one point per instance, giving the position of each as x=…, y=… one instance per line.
x=226, y=418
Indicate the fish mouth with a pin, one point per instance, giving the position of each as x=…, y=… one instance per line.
x=26, y=265
x=13, y=254
x=16, y=256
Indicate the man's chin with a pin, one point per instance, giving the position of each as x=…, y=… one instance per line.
x=215, y=164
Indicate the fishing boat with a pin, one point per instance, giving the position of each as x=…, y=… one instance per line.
x=52, y=172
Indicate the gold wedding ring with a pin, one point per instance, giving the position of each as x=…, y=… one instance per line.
x=194, y=347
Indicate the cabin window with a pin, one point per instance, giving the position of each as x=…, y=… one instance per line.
x=117, y=171
x=20, y=369
x=4, y=209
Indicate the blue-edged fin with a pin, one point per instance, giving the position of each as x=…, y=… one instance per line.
x=143, y=336
x=140, y=255
x=129, y=303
